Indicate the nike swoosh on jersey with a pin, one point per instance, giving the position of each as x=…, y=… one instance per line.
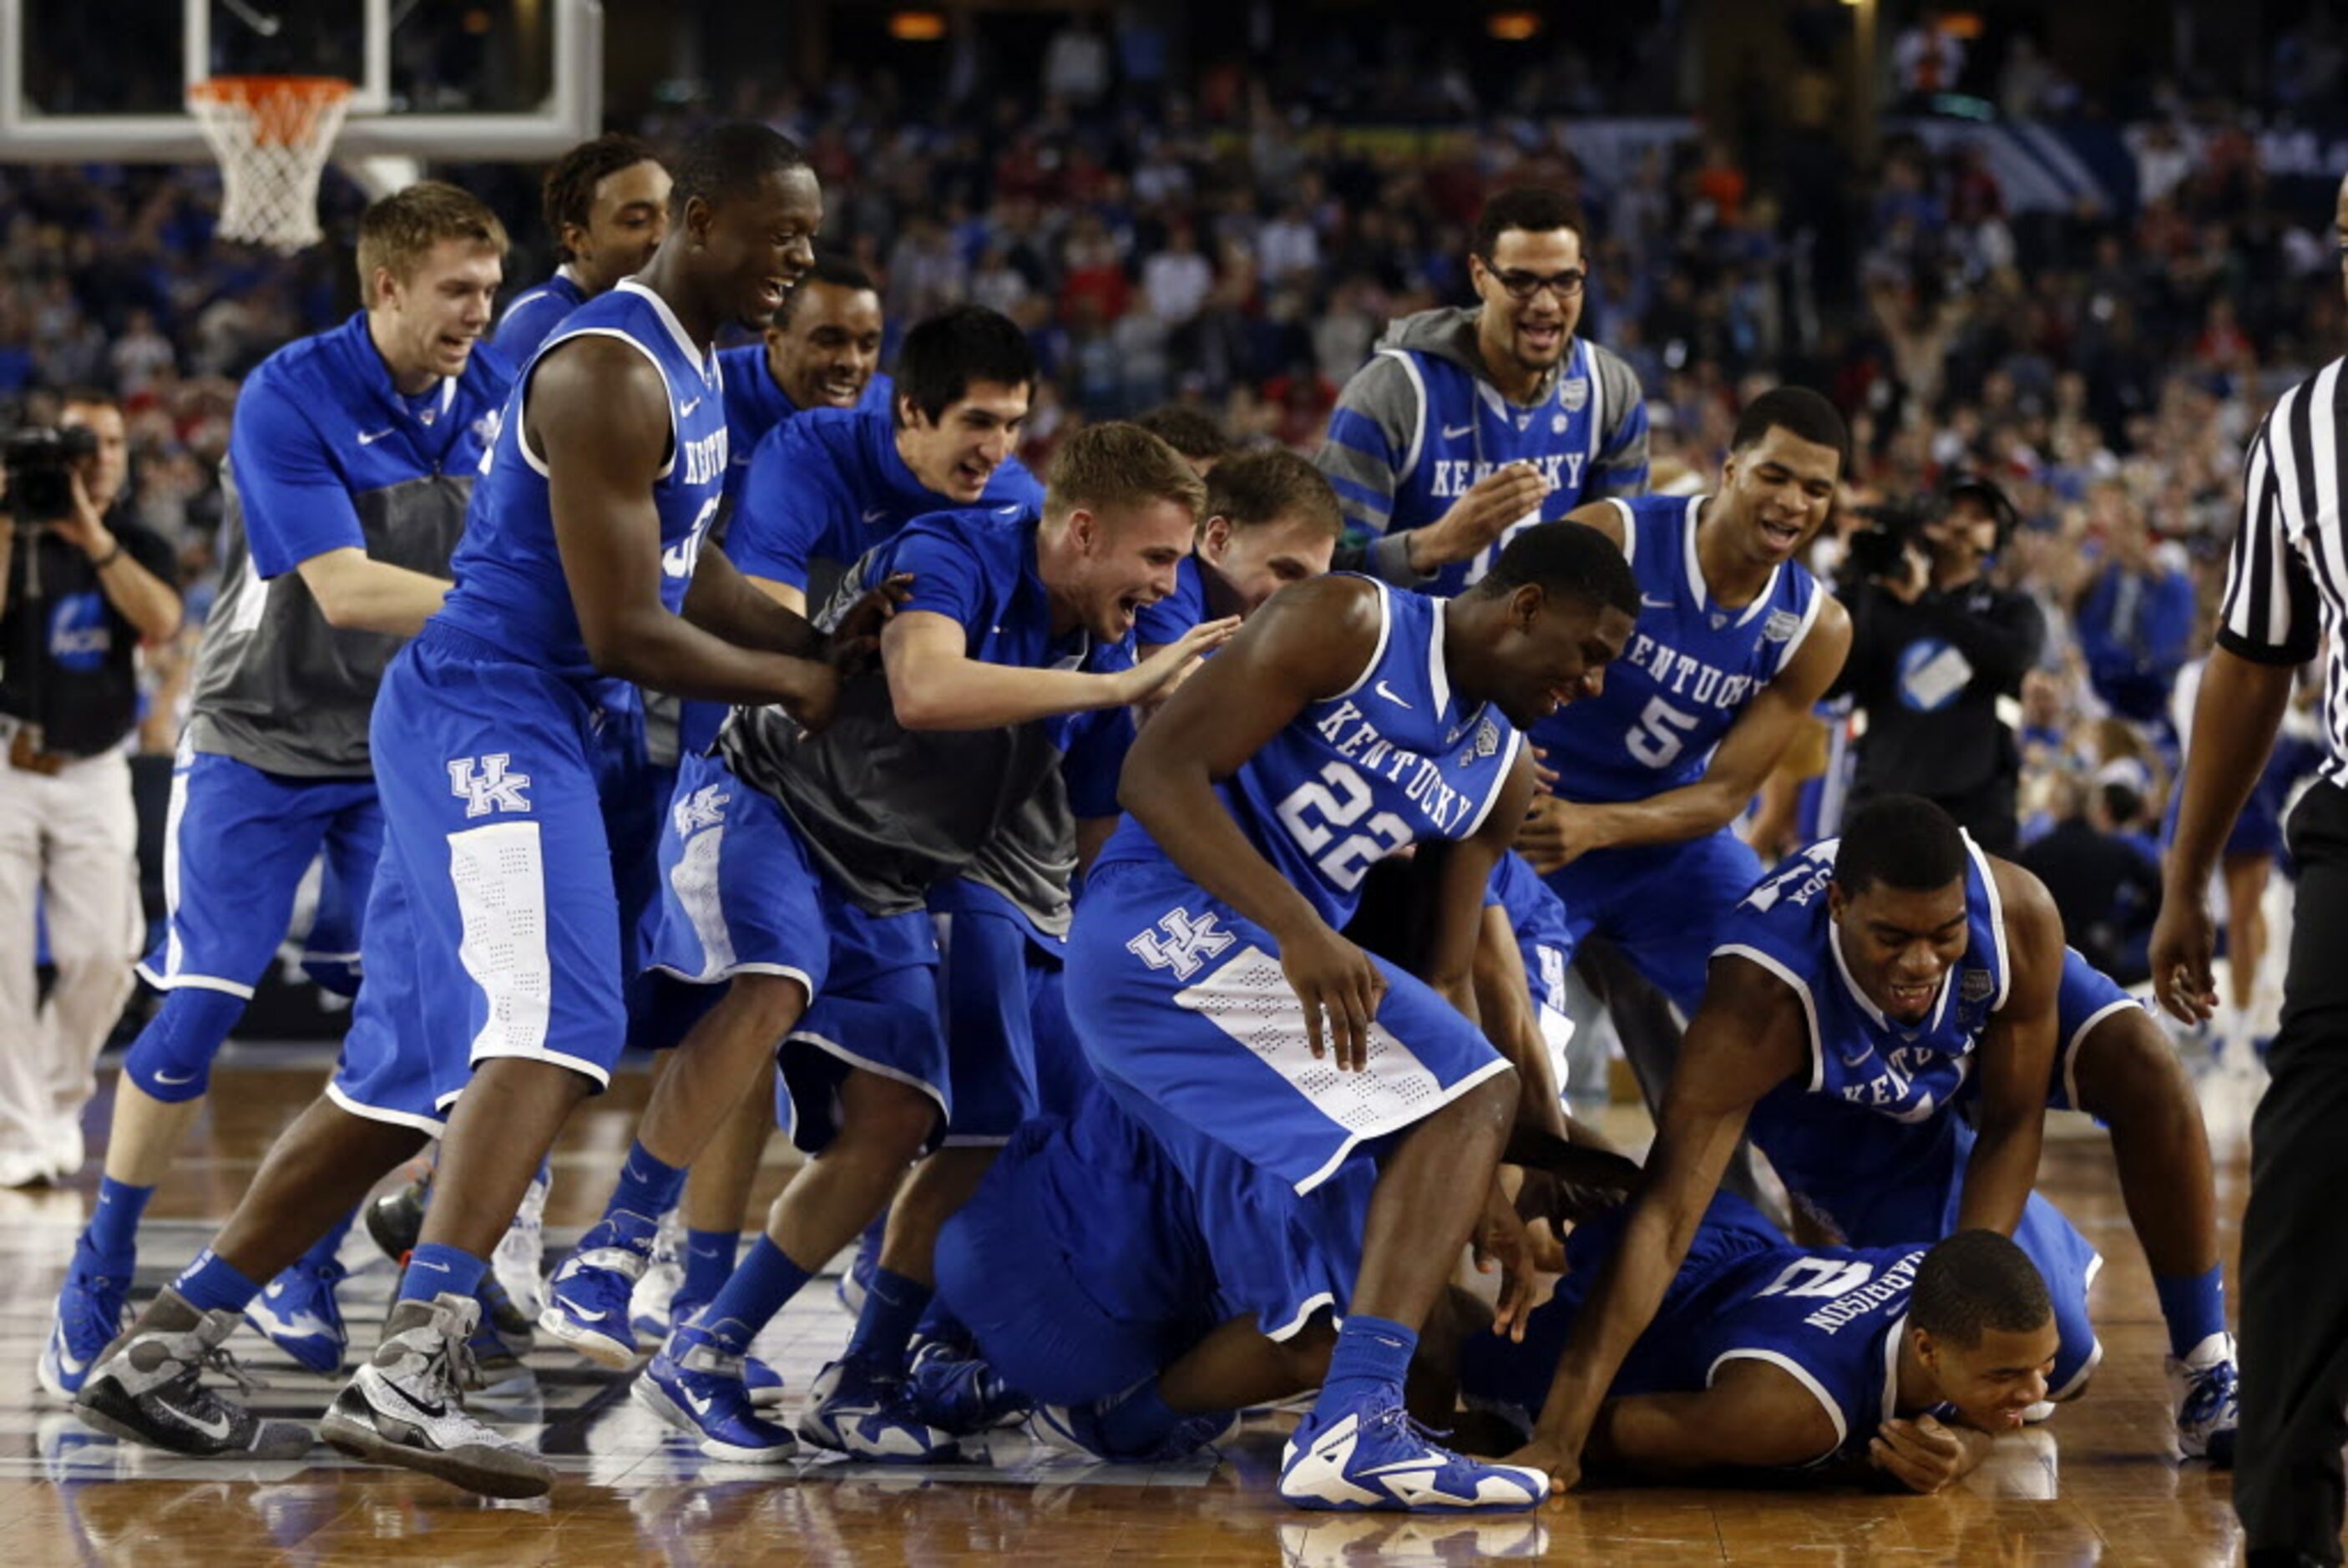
x=876, y=516
x=1648, y=601
x=368, y=438
x=1453, y=432
x=688, y=406
x=1389, y=693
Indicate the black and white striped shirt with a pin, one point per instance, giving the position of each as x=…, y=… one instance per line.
x=2289, y=579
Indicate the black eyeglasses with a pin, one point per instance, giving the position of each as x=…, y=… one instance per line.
x=1523, y=285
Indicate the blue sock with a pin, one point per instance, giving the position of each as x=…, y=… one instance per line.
x=2195, y=1308
x=647, y=1190
x=708, y=1262
x=110, y=1243
x=212, y=1284
x=1369, y=1363
x=435, y=1270
x=322, y=1251
x=1139, y=1422
x=893, y=1304
x=761, y=1282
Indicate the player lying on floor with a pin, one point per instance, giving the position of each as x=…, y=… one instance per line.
x=1890, y=1366
x=1141, y=1308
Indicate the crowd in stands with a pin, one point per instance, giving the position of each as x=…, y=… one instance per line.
x=1239, y=244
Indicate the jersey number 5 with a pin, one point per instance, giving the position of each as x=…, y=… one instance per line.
x=1660, y=734
x=1339, y=799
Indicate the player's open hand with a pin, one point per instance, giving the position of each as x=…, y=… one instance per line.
x=2184, y=942
x=1340, y=989
x=1502, y=498
x=1924, y=1456
x=1504, y=1242
x=872, y=611
x=1164, y=670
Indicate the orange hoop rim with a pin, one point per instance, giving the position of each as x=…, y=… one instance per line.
x=284, y=110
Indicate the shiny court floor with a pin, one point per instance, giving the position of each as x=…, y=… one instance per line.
x=2095, y=1486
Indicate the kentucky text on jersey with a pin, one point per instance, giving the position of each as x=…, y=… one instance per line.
x=1349, y=730
x=1455, y=476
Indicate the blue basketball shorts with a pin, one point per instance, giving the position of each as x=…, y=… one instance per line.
x=494, y=911
x=1180, y=1003
x=237, y=843
x=1660, y=905
x=739, y=896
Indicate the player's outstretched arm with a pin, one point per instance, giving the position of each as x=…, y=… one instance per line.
x=2235, y=716
x=1561, y=831
x=1308, y=643
x=598, y=412
x=1749, y=1036
x=935, y=684
x=1505, y=1008
x=2016, y=1058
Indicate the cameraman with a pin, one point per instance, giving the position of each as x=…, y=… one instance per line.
x=85, y=585
x=1937, y=657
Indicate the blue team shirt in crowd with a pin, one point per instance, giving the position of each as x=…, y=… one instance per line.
x=1688, y=672
x=532, y=315
x=511, y=591
x=828, y=484
x=1173, y=617
x=1394, y=759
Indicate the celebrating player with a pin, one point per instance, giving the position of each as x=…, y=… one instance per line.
x=606, y=204
x=350, y=461
x=494, y=926
x=1346, y=722
x=1860, y=997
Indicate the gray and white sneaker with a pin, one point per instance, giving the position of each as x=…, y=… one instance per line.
x=407, y=1405
x=148, y=1387
x=656, y=1287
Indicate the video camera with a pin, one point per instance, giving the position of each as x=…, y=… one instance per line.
x=1879, y=550
x=39, y=462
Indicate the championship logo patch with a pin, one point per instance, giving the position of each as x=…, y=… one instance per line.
x=1780, y=626
x=1976, y=986
x=1573, y=395
x=1486, y=744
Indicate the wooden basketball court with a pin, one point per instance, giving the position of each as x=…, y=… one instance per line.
x=2095, y=1486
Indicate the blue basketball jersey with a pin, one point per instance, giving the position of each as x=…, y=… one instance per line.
x=510, y=590
x=1393, y=760
x=1689, y=670
x=756, y=404
x=1468, y=430
x=1830, y=1316
x=532, y=315
x=1857, y=1054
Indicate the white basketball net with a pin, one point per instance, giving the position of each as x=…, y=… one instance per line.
x=272, y=136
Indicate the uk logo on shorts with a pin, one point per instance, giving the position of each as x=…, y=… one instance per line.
x=705, y=808
x=1187, y=943
x=485, y=786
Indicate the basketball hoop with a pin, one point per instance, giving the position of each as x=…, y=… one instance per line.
x=272, y=136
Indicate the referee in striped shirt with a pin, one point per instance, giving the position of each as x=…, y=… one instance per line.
x=2288, y=584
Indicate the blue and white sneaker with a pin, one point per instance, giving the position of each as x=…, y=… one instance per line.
x=952, y=1389
x=297, y=1313
x=2207, y=1405
x=587, y=1305
x=1381, y=1459
x=1079, y=1429
x=854, y=1408
x=765, y=1384
x=697, y=1388
x=89, y=1318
